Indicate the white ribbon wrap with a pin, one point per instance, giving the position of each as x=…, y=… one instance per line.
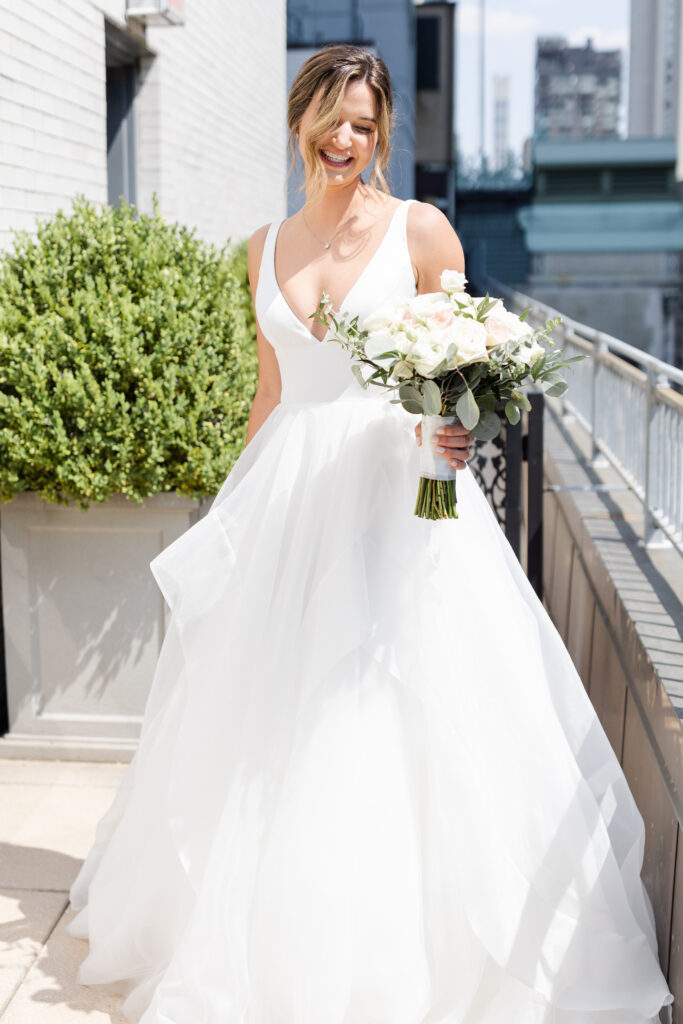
x=432, y=465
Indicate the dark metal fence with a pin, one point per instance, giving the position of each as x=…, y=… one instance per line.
x=516, y=497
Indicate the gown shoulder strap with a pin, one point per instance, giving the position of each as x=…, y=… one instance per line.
x=399, y=230
x=267, y=282
x=402, y=219
x=267, y=266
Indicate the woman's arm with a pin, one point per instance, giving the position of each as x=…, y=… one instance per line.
x=435, y=247
x=269, y=387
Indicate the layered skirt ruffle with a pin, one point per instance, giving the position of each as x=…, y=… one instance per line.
x=370, y=787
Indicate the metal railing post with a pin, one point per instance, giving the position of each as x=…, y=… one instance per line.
x=649, y=525
x=653, y=536
x=600, y=348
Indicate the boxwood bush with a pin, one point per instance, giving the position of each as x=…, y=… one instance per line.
x=127, y=358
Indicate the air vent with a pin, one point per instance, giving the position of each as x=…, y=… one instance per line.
x=579, y=182
x=650, y=181
x=156, y=12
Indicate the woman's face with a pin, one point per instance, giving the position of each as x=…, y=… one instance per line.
x=348, y=149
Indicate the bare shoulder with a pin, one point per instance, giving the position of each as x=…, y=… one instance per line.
x=257, y=240
x=425, y=218
x=433, y=244
x=255, y=252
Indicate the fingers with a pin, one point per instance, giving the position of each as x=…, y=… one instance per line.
x=454, y=443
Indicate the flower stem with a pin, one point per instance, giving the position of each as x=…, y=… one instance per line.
x=436, y=499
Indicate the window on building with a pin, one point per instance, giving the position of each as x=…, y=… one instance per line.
x=122, y=52
x=428, y=70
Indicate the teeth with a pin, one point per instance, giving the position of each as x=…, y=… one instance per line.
x=336, y=159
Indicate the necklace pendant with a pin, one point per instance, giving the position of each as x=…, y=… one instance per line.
x=327, y=245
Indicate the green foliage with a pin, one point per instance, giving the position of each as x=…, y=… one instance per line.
x=127, y=358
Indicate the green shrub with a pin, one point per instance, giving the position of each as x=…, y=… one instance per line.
x=126, y=361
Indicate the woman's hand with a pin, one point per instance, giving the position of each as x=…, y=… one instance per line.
x=452, y=442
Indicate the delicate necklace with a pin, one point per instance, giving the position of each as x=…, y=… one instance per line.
x=325, y=245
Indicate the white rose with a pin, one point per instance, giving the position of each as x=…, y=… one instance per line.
x=502, y=326
x=380, y=319
x=402, y=340
x=469, y=337
x=424, y=306
x=453, y=281
x=378, y=343
x=428, y=350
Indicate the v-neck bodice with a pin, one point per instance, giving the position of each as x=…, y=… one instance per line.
x=320, y=371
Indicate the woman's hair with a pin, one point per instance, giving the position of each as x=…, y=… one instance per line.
x=331, y=69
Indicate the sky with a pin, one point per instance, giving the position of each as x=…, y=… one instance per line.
x=511, y=31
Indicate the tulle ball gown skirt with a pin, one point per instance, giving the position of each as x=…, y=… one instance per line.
x=370, y=787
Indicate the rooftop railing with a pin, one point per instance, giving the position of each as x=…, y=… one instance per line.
x=632, y=406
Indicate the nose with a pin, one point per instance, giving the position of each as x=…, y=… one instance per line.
x=342, y=136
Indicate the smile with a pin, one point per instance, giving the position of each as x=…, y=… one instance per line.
x=334, y=160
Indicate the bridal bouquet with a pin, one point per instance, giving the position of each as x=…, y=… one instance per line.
x=452, y=358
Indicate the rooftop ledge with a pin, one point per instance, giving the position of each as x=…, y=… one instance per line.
x=603, y=226
x=617, y=605
x=599, y=152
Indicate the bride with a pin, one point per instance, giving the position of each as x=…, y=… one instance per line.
x=370, y=787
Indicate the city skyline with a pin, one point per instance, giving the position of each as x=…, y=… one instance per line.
x=510, y=50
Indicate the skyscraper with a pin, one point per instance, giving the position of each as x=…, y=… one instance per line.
x=501, y=121
x=578, y=91
x=654, y=74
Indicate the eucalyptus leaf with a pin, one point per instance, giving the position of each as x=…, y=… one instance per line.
x=488, y=427
x=553, y=377
x=557, y=390
x=537, y=366
x=521, y=401
x=358, y=374
x=512, y=412
x=410, y=392
x=467, y=410
x=432, y=398
x=410, y=405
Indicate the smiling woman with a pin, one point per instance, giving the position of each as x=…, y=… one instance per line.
x=352, y=103
x=371, y=788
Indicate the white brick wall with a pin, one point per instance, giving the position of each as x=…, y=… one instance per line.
x=52, y=109
x=210, y=113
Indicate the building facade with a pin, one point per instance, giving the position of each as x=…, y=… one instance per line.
x=654, y=68
x=94, y=100
x=577, y=91
x=435, y=143
x=501, y=122
x=605, y=234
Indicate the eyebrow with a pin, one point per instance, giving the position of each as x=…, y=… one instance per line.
x=363, y=117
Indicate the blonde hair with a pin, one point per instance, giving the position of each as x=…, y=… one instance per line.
x=330, y=70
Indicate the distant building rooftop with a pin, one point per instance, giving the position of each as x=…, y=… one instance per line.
x=603, y=227
x=598, y=152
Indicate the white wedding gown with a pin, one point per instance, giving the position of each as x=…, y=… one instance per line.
x=370, y=787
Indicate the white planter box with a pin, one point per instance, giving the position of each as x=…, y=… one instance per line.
x=84, y=621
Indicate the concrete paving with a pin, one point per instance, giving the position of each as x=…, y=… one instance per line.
x=48, y=814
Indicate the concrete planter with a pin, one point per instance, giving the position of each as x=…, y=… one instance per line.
x=83, y=621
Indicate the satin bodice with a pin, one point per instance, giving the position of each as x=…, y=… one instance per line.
x=320, y=371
